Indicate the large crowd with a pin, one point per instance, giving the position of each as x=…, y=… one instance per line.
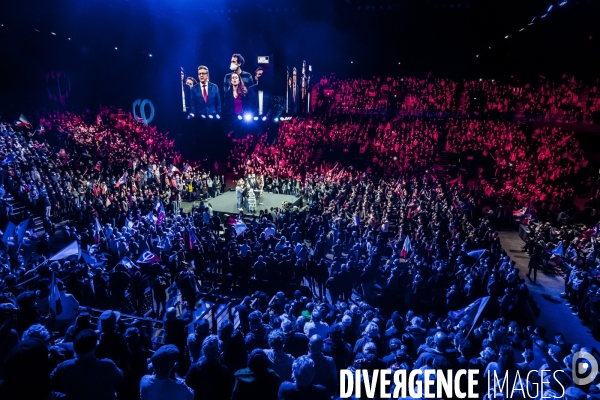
x=529, y=167
x=541, y=168
x=370, y=273
x=561, y=100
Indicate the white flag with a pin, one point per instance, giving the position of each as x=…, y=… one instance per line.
x=71, y=250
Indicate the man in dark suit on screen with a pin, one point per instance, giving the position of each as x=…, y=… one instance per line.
x=205, y=96
x=294, y=93
x=260, y=99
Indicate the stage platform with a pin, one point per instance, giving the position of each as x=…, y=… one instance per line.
x=227, y=202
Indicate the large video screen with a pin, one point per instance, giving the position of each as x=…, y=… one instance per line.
x=251, y=90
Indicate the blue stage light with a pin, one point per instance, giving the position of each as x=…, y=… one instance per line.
x=247, y=117
x=210, y=116
x=203, y=116
x=264, y=118
x=218, y=116
x=255, y=118
x=276, y=119
x=240, y=117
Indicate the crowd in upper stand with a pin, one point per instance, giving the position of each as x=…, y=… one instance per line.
x=363, y=276
x=562, y=100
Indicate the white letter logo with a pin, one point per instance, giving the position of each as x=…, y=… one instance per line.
x=588, y=366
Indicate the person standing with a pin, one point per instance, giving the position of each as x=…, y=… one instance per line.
x=160, y=385
x=302, y=387
x=205, y=96
x=535, y=261
x=239, y=192
x=259, y=98
x=235, y=101
x=210, y=379
x=87, y=377
x=237, y=62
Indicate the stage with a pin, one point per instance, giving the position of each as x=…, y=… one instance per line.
x=227, y=202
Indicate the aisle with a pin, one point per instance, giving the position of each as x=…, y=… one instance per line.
x=555, y=315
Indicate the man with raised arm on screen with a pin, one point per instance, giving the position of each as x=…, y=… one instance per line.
x=205, y=96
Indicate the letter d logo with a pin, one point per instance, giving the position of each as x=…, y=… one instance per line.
x=585, y=368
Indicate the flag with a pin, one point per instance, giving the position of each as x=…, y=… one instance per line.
x=97, y=229
x=22, y=121
x=55, y=303
x=121, y=180
x=21, y=229
x=558, y=250
x=41, y=128
x=457, y=181
x=406, y=248
x=240, y=227
x=131, y=267
x=152, y=217
x=148, y=257
x=9, y=232
x=98, y=166
x=71, y=250
x=9, y=159
x=591, y=256
x=522, y=212
x=160, y=209
x=192, y=239
x=187, y=167
x=476, y=254
x=470, y=313
x=571, y=252
x=173, y=169
x=88, y=258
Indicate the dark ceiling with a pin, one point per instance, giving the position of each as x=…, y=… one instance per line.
x=350, y=37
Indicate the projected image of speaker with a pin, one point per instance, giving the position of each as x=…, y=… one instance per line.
x=261, y=93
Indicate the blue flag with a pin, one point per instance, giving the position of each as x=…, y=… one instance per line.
x=89, y=259
x=470, y=313
x=9, y=159
x=9, y=232
x=558, y=250
x=571, y=252
x=131, y=267
x=21, y=229
x=592, y=256
x=71, y=250
x=240, y=227
x=54, y=298
x=193, y=239
x=476, y=254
